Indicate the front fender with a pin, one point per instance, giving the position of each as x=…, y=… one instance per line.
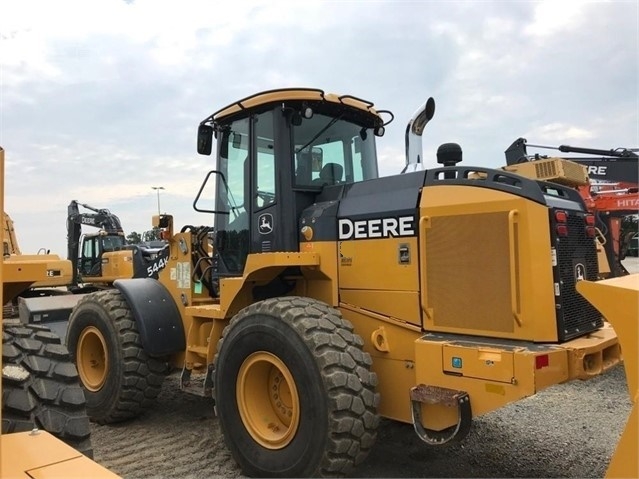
x=156, y=314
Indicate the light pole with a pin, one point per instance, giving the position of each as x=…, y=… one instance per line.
x=158, y=188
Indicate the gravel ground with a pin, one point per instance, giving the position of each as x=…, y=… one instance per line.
x=568, y=430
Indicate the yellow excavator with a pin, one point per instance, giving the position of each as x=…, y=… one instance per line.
x=58, y=271
x=43, y=407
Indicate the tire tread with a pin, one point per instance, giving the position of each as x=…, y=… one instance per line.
x=142, y=375
x=345, y=371
x=46, y=393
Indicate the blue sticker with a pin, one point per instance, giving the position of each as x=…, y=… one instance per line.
x=457, y=363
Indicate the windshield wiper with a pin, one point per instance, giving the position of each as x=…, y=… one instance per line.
x=328, y=125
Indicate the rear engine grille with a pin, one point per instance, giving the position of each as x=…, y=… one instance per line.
x=576, y=258
x=545, y=169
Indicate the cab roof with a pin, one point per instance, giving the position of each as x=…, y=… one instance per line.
x=292, y=94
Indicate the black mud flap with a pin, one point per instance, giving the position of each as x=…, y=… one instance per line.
x=445, y=397
x=156, y=314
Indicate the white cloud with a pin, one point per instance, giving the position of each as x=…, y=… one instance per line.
x=100, y=100
x=560, y=132
x=555, y=17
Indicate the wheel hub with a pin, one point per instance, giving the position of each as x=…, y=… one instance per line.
x=267, y=400
x=92, y=359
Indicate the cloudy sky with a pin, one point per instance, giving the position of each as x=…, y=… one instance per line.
x=100, y=100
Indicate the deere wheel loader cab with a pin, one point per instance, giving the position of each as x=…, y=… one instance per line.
x=275, y=159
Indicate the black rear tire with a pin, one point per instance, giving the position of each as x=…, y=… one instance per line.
x=302, y=357
x=40, y=387
x=119, y=379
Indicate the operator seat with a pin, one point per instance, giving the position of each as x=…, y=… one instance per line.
x=330, y=174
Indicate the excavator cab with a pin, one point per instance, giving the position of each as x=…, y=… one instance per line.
x=92, y=250
x=275, y=162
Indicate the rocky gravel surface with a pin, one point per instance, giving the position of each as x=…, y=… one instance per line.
x=568, y=430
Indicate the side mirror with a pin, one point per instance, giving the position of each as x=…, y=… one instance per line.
x=204, y=139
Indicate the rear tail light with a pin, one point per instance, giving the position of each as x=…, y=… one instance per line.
x=561, y=216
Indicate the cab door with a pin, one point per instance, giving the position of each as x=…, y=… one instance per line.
x=265, y=224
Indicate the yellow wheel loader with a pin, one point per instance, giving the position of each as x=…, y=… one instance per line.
x=326, y=297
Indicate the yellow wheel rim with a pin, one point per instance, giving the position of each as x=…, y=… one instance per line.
x=267, y=400
x=92, y=359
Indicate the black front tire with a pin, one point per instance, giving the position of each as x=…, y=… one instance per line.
x=119, y=379
x=40, y=387
x=333, y=410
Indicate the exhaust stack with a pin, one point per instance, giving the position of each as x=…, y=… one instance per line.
x=414, y=131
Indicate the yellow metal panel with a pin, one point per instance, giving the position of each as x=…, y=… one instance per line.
x=54, y=265
x=530, y=378
x=469, y=285
x=321, y=282
x=618, y=300
x=498, y=280
x=280, y=95
x=43, y=456
x=116, y=265
x=594, y=353
x=374, y=264
x=485, y=394
x=625, y=462
x=395, y=366
x=558, y=170
x=402, y=305
x=481, y=363
x=20, y=276
x=78, y=468
x=534, y=367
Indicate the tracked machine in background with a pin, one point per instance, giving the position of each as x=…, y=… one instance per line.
x=103, y=257
x=609, y=184
x=328, y=297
